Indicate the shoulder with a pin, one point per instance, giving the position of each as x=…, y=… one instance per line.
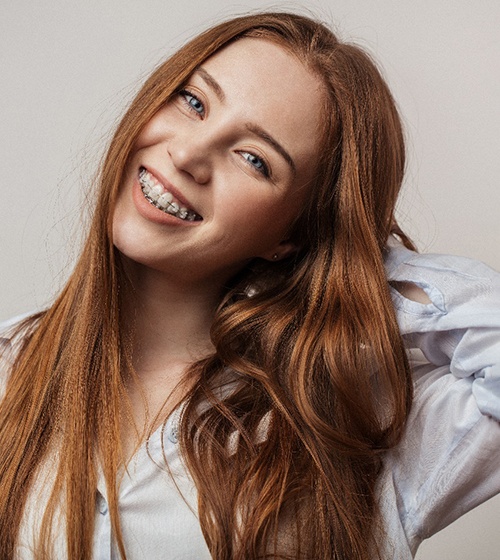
x=9, y=332
x=11, y=336
x=8, y=324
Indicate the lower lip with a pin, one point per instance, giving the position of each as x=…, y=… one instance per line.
x=153, y=214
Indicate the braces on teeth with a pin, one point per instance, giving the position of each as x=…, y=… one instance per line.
x=163, y=200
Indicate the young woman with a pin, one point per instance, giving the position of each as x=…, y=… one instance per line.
x=249, y=360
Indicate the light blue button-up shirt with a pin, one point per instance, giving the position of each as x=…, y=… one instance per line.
x=447, y=463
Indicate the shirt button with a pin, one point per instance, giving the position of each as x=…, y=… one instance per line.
x=173, y=433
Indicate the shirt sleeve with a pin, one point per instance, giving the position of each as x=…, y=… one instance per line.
x=449, y=459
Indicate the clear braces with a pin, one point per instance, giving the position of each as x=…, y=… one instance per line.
x=163, y=200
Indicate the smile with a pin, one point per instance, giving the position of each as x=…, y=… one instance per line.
x=157, y=195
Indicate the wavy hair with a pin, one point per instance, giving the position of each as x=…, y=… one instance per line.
x=320, y=381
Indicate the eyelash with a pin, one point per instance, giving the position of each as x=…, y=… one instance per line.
x=264, y=170
x=184, y=94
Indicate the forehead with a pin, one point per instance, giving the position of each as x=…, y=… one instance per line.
x=271, y=87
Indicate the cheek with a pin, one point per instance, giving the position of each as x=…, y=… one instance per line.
x=155, y=130
x=126, y=222
x=245, y=201
x=122, y=226
x=266, y=220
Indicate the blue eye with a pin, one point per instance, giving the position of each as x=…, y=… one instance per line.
x=256, y=162
x=192, y=102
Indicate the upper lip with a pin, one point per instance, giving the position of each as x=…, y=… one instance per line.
x=167, y=185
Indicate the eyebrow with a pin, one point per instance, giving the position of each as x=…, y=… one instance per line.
x=254, y=129
x=211, y=82
x=261, y=133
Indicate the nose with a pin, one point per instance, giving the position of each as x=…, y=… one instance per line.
x=192, y=156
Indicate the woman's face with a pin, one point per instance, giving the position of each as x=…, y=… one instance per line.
x=221, y=171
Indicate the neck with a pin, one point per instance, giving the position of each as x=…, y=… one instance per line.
x=170, y=325
x=171, y=320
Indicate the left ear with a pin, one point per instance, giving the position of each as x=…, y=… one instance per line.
x=281, y=251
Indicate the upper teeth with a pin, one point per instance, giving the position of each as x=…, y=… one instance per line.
x=162, y=199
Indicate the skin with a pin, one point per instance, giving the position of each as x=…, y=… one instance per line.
x=208, y=143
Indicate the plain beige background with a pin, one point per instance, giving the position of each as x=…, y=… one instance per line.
x=68, y=69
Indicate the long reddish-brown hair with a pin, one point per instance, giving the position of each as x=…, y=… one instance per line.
x=312, y=343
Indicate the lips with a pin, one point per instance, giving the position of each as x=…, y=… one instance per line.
x=157, y=194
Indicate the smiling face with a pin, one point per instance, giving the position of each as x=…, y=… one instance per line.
x=220, y=173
